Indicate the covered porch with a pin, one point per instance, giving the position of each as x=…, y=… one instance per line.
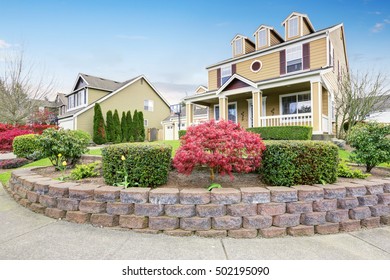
x=304, y=102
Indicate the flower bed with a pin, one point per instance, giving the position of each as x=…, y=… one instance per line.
x=238, y=213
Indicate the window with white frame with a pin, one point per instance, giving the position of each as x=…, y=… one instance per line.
x=238, y=46
x=298, y=103
x=294, y=59
x=77, y=99
x=262, y=37
x=216, y=112
x=293, y=27
x=232, y=112
x=226, y=73
x=331, y=54
x=148, y=105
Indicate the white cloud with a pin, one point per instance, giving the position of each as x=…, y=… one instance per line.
x=375, y=13
x=4, y=44
x=379, y=26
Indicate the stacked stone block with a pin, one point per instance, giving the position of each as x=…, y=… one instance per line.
x=239, y=213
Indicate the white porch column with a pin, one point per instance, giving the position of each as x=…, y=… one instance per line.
x=257, y=99
x=189, y=114
x=223, y=108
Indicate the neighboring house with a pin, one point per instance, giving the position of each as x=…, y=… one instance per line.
x=61, y=103
x=275, y=80
x=135, y=94
x=172, y=124
x=381, y=113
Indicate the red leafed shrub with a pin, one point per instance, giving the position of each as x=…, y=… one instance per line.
x=223, y=146
x=7, y=137
x=13, y=163
x=5, y=127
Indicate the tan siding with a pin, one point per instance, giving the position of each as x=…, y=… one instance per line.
x=315, y=94
x=201, y=90
x=130, y=98
x=318, y=53
x=212, y=79
x=274, y=40
x=95, y=94
x=270, y=68
x=299, y=30
x=242, y=112
x=306, y=29
x=324, y=102
x=248, y=47
x=272, y=104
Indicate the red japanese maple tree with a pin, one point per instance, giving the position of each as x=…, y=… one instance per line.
x=223, y=146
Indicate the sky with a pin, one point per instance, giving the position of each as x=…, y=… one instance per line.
x=172, y=42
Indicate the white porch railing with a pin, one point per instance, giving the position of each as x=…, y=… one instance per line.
x=287, y=120
x=325, y=123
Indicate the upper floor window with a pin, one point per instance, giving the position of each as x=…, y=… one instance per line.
x=77, y=99
x=148, y=105
x=262, y=37
x=294, y=58
x=238, y=46
x=226, y=73
x=293, y=27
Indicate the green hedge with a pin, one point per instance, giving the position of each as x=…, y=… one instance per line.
x=27, y=146
x=182, y=133
x=147, y=165
x=283, y=132
x=288, y=163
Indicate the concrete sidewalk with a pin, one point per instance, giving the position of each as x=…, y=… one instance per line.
x=7, y=156
x=27, y=235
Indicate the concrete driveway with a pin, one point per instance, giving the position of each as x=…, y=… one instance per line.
x=27, y=235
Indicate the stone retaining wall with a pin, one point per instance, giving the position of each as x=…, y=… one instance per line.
x=244, y=213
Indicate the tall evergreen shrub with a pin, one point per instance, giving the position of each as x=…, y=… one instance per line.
x=110, y=126
x=129, y=120
x=141, y=127
x=117, y=128
x=99, y=130
x=124, y=128
x=136, y=129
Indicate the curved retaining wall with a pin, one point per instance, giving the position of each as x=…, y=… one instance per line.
x=244, y=213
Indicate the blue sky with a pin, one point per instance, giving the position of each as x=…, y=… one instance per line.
x=172, y=42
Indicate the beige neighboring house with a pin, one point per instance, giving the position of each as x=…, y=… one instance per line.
x=134, y=94
x=276, y=80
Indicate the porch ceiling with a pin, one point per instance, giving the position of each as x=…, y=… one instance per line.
x=288, y=89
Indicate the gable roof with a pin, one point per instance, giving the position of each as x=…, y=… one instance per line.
x=97, y=82
x=122, y=86
x=301, y=15
x=270, y=28
x=239, y=78
x=60, y=99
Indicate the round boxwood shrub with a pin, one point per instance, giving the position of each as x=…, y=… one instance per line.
x=27, y=146
x=143, y=165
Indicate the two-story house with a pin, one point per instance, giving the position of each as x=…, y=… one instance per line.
x=277, y=80
x=134, y=94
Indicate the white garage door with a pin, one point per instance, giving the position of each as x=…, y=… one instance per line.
x=66, y=123
x=168, y=132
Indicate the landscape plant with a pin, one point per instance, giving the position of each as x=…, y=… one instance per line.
x=224, y=147
x=117, y=128
x=141, y=125
x=124, y=127
x=371, y=142
x=343, y=170
x=99, y=129
x=136, y=128
x=130, y=129
x=27, y=146
x=82, y=171
x=110, y=132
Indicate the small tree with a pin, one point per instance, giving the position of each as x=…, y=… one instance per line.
x=136, y=130
x=99, y=130
x=371, y=142
x=117, y=127
x=110, y=126
x=124, y=128
x=223, y=146
x=141, y=126
x=129, y=121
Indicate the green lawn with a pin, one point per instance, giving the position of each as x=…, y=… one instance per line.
x=4, y=177
x=174, y=143
x=344, y=155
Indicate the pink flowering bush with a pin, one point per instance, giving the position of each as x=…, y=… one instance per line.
x=223, y=146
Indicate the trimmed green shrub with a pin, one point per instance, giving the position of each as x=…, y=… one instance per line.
x=146, y=165
x=141, y=137
x=130, y=129
x=63, y=145
x=99, y=129
x=371, y=142
x=82, y=171
x=117, y=128
x=27, y=146
x=124, y=128
x=283, y=132
x=288, y=163
x=110, y=132
x=182, y=133
x=136, y=128
x=345, y=171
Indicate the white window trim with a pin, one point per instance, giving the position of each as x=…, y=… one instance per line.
x=149, y=107
x=250, y=116
x=235, y=53
x=235, y=103
x=298, y=71
x=219, y=116
x=261, y=66
x=230, y=71
x=292, y=94
x=258, y=38
x=289, y=27
x=79, y=106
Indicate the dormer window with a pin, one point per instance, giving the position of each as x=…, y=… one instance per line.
x=238, y=46
x=262, y=35
x=293, y=27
